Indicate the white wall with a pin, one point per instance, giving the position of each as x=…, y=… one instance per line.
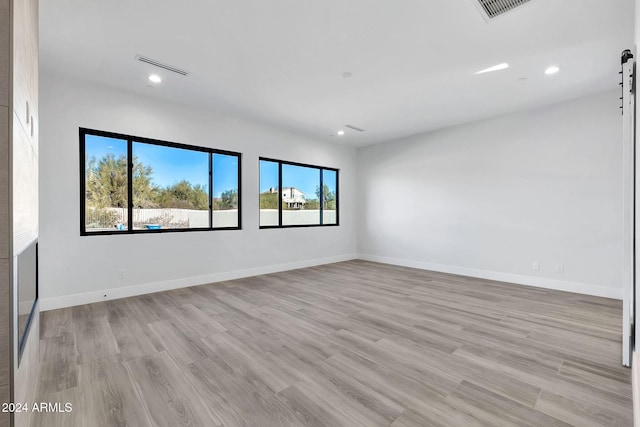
x=75, y=269
x=484, y=199
x=487, y=199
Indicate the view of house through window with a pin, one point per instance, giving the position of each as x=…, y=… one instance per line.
x=293, y=194
x=300, y=195
x=173, y=187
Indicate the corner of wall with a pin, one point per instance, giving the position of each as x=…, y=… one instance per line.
x=538, y=282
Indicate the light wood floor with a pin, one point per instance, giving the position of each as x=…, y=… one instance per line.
x=347, y=344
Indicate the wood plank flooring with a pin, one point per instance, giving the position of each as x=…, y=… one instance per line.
x=347, y=344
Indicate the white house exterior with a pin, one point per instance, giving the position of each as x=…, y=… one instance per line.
x=294, y=198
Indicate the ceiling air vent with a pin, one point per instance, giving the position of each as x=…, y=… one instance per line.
x=159, y=64
x=494, y=8
x=354, y=128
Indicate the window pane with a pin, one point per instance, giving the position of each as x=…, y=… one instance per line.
x=105, y=184
x=329, y=184
x=268, y=193
x=170, y=187
x=225, y=191
x=300, y=195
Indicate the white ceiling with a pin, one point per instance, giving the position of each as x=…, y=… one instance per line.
x=281, y=61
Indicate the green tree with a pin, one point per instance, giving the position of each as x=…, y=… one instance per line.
x=144, y=192
x=183, y=195
x=228, y=200
x=106, y=182
x=268, y=200
x=328, y=197
x=312, y=204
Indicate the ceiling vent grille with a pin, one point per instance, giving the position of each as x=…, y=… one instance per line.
x=354, y=128
x=495, y=8
x=159, y=64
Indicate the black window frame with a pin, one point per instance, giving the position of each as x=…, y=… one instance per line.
x=321, y=170
x=130, y=140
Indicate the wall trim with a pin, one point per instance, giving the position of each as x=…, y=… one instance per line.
x=54, y=303
x=538, y=282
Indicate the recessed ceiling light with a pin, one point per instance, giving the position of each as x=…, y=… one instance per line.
x=498, y=67
x=340, y=132
x=155, y=78
x=347, y=74
x=551, y=70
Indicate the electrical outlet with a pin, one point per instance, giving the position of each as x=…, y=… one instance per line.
x=535, y=265
x=121, y=274
x=560, y=268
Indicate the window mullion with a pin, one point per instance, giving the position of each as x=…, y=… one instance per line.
x=321, y=196
x=279, y=194
x=211, y=190
x=337, y=198
x=83, y=184
x=130, y=184
x=239, y=172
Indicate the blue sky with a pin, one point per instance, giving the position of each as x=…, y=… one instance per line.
x=329, y=180
x=171, y=165
x=99, y=146
x=268, y=175
x=305, y=179
x=225, y=173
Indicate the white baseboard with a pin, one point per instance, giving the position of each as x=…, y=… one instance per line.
x=147, y=288
x=539, y=282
